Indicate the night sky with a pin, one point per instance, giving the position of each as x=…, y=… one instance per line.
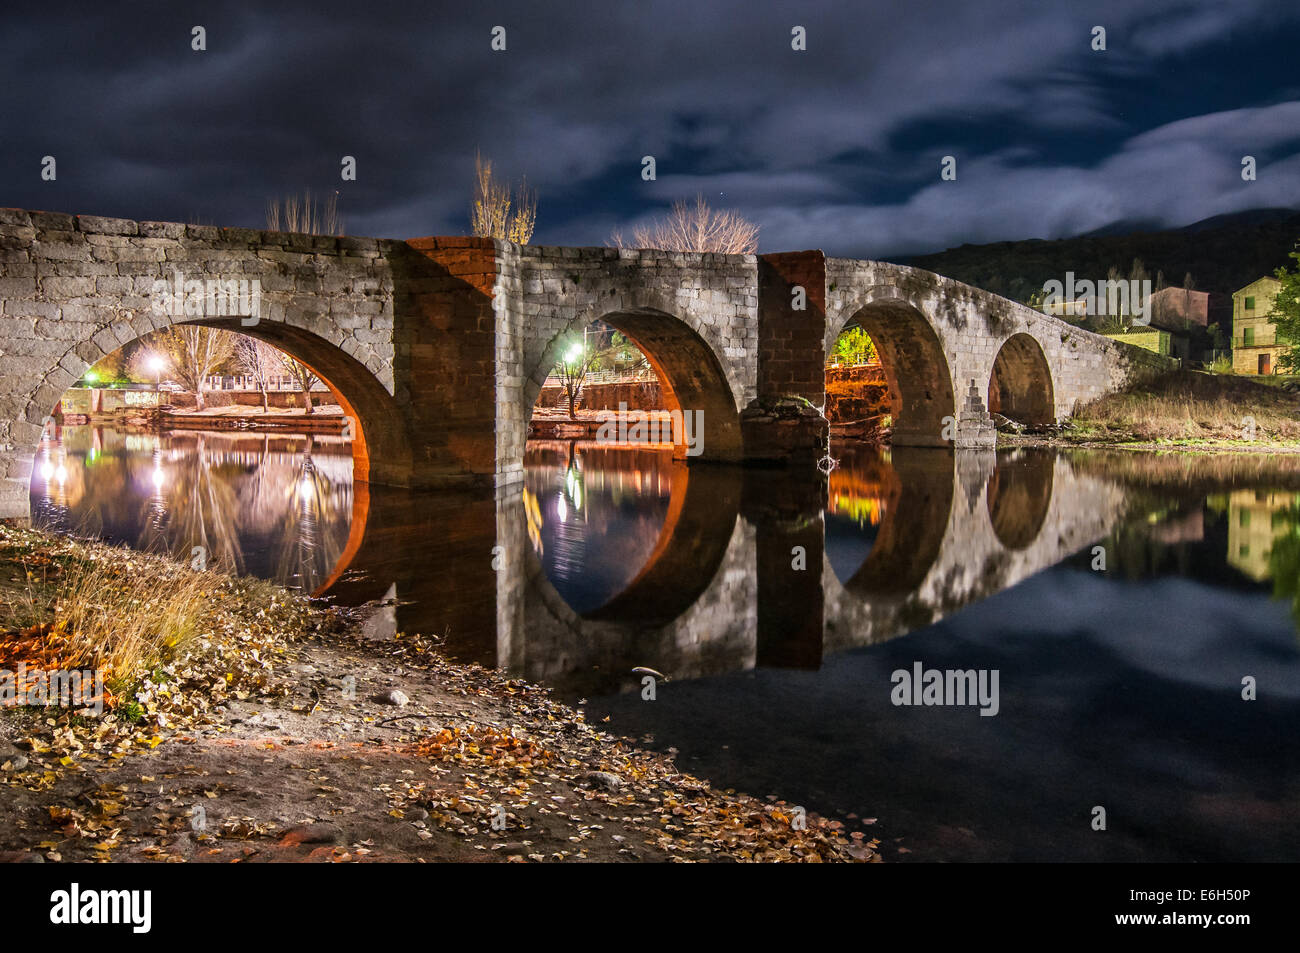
x=837, y=148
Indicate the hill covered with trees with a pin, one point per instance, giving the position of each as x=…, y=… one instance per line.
x=1222, y=254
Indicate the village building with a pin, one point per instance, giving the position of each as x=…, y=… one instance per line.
x=1255, y=344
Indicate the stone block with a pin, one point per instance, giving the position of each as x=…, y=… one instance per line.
x=96, y=224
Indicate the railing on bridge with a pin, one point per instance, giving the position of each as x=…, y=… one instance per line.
x=640, y=375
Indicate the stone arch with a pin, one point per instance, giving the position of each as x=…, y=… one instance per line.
x=1020, y=384
x=381, y=451
x=916, y=523
x=915, y=364
x=650, y=622
x=1018, y=496
x=702, y=508
x=690, y=373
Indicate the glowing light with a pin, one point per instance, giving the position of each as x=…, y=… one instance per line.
x=156, y=363
x=575, y=352
x=91, y=377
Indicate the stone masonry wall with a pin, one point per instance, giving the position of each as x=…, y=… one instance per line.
x=694, y=315
x=439, y=346
x=970, y=327
x=75, y=288
x=791, y=361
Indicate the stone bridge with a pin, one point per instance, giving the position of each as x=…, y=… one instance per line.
x=438, y=347
x=720, y=591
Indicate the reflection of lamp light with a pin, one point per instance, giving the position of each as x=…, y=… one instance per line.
x=158, y=478
x=61, y=474
x=306, y=489
x=47, y=471
x=562, y=509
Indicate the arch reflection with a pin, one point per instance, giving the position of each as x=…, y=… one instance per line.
x=710, y=592
x=1019, y=495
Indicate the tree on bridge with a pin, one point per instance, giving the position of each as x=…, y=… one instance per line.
x=696, y=228
x=497, y=213
x=305, y=215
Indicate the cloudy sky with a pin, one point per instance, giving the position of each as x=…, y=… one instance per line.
x=838, y=147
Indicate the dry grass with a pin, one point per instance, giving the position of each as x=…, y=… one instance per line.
x=91, y=606
x=1192, y=406
x=124, y=620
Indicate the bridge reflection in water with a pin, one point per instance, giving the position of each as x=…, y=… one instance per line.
x=716, y=568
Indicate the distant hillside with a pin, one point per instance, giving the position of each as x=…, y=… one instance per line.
x=1223, y=254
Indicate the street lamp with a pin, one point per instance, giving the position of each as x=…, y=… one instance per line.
x=156, y=364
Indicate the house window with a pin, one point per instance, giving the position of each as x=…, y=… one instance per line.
x=1243, y=518
x=1247, y=337
x=1250, y=303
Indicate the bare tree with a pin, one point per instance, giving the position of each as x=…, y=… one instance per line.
x=302, y=374
x=261, y=362
x=305, y=215
x=495, y=213
x=696, y=228
x=576, y=360
x=189, y=353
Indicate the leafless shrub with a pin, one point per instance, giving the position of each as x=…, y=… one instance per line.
x=495, y=212
x=696, y=228
x=305, y=215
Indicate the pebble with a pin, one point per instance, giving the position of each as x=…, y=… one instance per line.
x=312, y=834
x=603, y=779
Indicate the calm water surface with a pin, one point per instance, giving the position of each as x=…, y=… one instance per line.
x=1122, y=598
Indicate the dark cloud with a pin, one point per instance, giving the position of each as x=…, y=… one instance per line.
x=836, y=148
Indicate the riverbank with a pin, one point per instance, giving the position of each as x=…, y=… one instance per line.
x=262, y=726
x=1183, y=410
x=327, y=419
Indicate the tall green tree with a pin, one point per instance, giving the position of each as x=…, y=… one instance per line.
x=1285, y=315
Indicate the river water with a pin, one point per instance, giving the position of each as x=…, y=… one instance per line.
x=1136, y=613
